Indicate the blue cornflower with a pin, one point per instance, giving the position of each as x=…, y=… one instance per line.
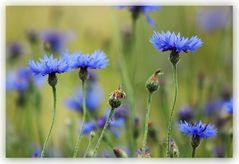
x=136, y=10
x=88, y=127
x=198, y=129
x=185, y=113
x=210, y=19
x=97, y=60
x=21, y=78
x=48, y=65
x=94, y=96
x=171, y=42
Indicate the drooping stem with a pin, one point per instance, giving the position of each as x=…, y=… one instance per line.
x=193, y=152
x=88, y=146
x=52, y=123
x=173, y=107
x=146, y=122
x=76, y=150
x=102, y=133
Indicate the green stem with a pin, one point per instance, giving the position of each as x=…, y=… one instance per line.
x=102, y=133
x=88, y=146
x=83, y=119
x=129, y=89
x=146, y=122
x=173, y=107
x=52, y=123
x=193, y=152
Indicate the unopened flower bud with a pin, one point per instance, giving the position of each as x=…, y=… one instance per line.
x=152, y=84
x=115, y=98
x=120, y=153
x=52, y=79
x=173, y=149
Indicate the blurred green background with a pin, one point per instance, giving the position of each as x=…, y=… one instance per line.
x=109, y=29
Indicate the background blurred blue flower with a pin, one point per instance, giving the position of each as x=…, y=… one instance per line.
x=48, y=65
x=170, y=41
x=88, y=127
x=228, y=106
x=136, y=10
x=97, y=60
x=94, y=96
x=114, y=124
x=211, y=107
x=20, y=79
x=197, y=129
x=55, y=39
x=214, y=18
x=185, y=113
x=15, y=50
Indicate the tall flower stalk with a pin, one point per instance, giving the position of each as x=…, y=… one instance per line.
x=173, y=107
x=152, y=85
x=76, y=150
x=49, y=66
x=52, y=122
x=78, y=60
x=176, y=44
x=115, y=102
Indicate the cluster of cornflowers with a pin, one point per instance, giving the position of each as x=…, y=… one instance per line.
x=51, y=66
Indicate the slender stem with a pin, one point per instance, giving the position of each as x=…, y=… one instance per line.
x=102, y=133
x=83, y=119
x=88, y=146
x=173, y=107
x=146, y=122
x=193, y=152
x=52, y=123
x=130, y=93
